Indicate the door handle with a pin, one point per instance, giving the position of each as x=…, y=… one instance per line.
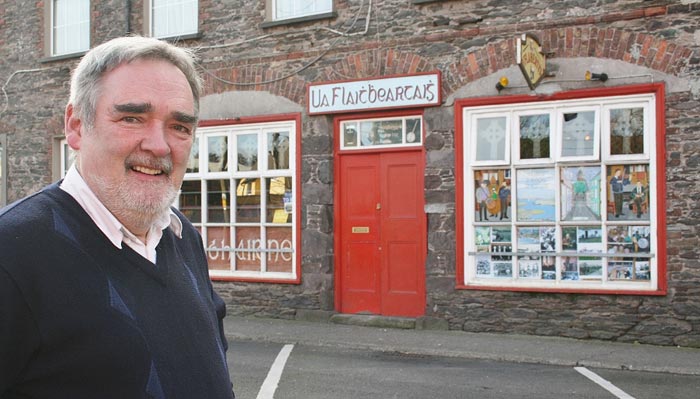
x=379, y=206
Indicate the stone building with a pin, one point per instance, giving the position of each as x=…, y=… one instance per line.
x=521, y=167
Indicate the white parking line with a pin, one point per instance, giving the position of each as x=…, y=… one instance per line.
x=603, y=383
x=269, y=386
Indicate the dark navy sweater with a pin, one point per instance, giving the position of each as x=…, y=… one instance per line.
x=80, y=318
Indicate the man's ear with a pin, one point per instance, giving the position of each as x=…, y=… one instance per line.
x=74, y=128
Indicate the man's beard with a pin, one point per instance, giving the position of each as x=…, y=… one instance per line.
x=139, y=202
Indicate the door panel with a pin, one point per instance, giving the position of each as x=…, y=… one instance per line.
x=382, y=233
x=359, y=231
x=403, y=234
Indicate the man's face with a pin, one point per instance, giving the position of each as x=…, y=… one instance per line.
x=135, y=156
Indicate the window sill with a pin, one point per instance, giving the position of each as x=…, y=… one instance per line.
x=293, y=21
x=563, y=290
x=62, y=57
x=178, y=38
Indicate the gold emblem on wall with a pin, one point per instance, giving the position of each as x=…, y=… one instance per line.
x=531, y=60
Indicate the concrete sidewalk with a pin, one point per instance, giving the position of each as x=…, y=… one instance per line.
x=483, y=346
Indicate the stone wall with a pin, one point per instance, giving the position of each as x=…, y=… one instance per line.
x=471, y=43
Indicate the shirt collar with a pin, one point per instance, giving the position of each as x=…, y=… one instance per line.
x=75, y=185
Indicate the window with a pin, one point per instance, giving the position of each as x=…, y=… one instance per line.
x=171, y=18
x=246, y=207
x=288, y=9
x=3, y=169
x=70, y=26
x=563, y=195
x=66, y=156
x=381, y=133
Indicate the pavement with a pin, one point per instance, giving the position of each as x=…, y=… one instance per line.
x=405, y=336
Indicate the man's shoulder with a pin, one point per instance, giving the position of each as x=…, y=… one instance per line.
x=31, y=208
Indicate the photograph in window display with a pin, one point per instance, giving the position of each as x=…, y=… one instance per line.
x=628, y=192
x=580, y=193
x=628, y=242
x=493, y=195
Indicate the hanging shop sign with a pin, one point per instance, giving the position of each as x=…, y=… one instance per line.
x=420, y=90
x=531, y=60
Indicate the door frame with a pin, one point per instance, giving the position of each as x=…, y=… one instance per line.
x=337, y=154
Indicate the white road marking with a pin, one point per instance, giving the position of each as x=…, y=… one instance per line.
x=269, y=386
x=607, y=385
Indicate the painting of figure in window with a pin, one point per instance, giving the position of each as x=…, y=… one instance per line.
x=578, y=134
x=492, y=195
x=627, y=131
x=628, y=192
x=580, y=193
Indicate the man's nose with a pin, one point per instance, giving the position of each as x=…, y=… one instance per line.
x=155, y=139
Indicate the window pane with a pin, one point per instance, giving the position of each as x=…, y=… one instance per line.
x=297, y=8
x=248, y=247
x=193, y=162
x=414, y=133
x=279, y=239
x=491, y=139
x=279, y=200
x=248, y=200
x=536, y=195
x=219, y=247
x=627, y=131
x=218, y=153
x=578, y=134
x=217, y=201
x=71, y=26
x=580, y=193
x=350, y=134
x=177, y=17
x=628, y=192
x=534, y=136
x=191, y=200
x=278, y=150
x=247, y=145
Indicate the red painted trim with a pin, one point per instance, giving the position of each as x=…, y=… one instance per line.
x=296, y=117
x=661, y=264
x=365, y=110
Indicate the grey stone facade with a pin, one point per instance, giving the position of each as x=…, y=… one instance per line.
x=255, y=71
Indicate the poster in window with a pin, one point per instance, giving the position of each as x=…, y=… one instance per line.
x=590, y=268
x=350, y=136
x=502, y=269
x=580, y=193
x=483, y=266
x=279, y=191
x=534, y=136
x=620, y=270
x=569, y=239
x=628, y=192
x=590, y=239
x=627, y=131
x=569, y=268
x=492, y=195
x=528, y=239
x=491, y=139
x=578, y=134
x=549, y=268
x=529, y=268
x=536, y=195
x=414, y=133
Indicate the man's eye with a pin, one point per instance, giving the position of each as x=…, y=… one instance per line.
x=130, y=119
x=181, y=128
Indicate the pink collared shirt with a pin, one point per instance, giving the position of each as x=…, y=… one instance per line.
x=74, y=185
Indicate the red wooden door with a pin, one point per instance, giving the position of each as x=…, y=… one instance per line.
x=382, y=234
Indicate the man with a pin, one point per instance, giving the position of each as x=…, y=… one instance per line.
x=104, y=289
x=482, y=197
x=504, y=196
x=617, y=184
x=639, y=195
